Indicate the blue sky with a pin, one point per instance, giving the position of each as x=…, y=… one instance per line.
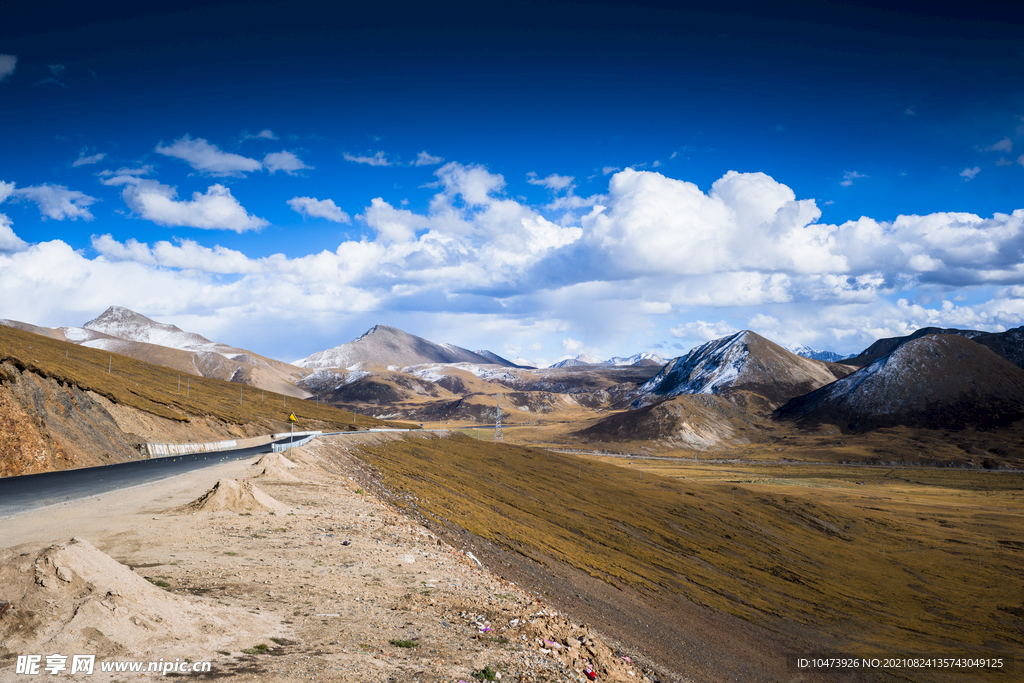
x=538, y=179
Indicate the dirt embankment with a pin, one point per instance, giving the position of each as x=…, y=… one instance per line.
x=333, y=586
x=48, y=425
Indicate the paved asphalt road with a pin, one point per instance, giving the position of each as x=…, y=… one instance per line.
x=21, y=494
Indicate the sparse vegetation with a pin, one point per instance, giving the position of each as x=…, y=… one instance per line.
x=154, y=388
x=404, y=643
x=260, y=649
x=799, y=543
x=486, y=674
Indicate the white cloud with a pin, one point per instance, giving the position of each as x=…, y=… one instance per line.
x=8, y=240
x=186, y=255
x=124, y=175
x=265, y=134
x=319, y=208
x=969, y=173
x=554, y=182
x=610, y=169
x=651, y=224
x=83, y=160
x=655, y=257
x=702, y=330
x=424, y=159
x=56, y=73
x=284, y=161
x=572, y=346
x=57, y=201
x=378, y=159
x=1004, y=145
x=909, y=112
x=849, y=177
x=7, y=65
x=217, y=209
x=208, y=158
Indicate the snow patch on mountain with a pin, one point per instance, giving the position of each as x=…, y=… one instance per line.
x=645, y=358
x=704, y=370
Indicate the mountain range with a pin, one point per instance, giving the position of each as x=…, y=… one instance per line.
x=935, y=378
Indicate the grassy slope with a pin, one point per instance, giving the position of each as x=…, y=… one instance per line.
x=154, y=389
x=806, y=565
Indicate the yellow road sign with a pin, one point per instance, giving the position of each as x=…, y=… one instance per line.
x=291, y=418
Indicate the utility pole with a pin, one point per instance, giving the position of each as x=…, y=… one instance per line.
x=498, y=436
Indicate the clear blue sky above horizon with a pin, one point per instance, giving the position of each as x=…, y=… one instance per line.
x=538, y=179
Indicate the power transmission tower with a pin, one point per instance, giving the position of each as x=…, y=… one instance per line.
x=498, y=436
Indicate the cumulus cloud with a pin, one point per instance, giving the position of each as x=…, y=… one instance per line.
x=319, y=208
x=217, y=209
x=744, y=252
x=969, y=173
x=378, y=159
x=8, y=240
x=56, y=201
x=284, y=161
x=7, y=65
x=185, y=255
x=424, y=159
x=84, y=160
x=554, y=182
x=849, y=177
x=747, y=222
x=208, y=158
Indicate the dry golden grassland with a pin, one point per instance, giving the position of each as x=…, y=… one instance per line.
x=796, y=548
x=155, y=389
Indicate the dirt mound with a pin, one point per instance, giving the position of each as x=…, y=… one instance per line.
x=72, y=598
x=237, y=496
x=273, y=472
x=938, y=381
x=274, y=466
x=275, y=460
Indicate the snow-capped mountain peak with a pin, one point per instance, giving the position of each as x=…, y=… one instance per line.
x=816, y=354
x=741, y=361
x=126, y=324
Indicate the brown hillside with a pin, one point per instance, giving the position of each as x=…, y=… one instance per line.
x=935, y=381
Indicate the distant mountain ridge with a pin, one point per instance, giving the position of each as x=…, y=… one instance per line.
x=389, y=346
x=741, y=361
x=816, y=354
x=644, y=358
x=1008, y=344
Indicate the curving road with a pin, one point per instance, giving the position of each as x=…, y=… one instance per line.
x=31, y=491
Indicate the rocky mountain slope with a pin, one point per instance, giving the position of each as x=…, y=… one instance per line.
x=937, y=381
x=744, y=361
x=387, y=346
